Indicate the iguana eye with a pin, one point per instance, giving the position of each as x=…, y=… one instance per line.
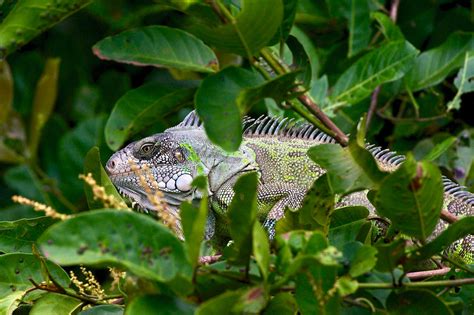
x=146, y=148
x=179, y=156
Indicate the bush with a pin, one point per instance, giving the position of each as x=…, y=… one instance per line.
x=80, y=79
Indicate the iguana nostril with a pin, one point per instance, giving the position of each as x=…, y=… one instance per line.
x=110, y=165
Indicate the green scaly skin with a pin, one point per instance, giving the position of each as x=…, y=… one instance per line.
x=274, y=148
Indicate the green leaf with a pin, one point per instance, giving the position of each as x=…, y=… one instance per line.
x=455, y=231
x=216, y=105
x=464, y=82
x=362, y=258
x=9, y=302
x=289, y=12
x=242, y=213
x=390, y=255
x=389, y=29
x=433, y=66
x=73, y=147
x=261, y=249
x=349, y=169
x=251, y=30
x=282, y=303
x=342, y=234
x=220, y=304
x=6, y=91
x=193, y=220
x=301, y=61
x=31, y=17
x=16, y=270
x=43, y=102
x=158, y=304
x=103, y=310
x=347, y=215
x=440, y=148
x=158, y=46
x=54, y=303
x=318, y=205
x=26, y=183
x=19, y=236
x=140, y=108
x=387, y=63
x=92, y=165
x=312, y=288
x=279, y=88
x=120, y=238
x=412, y=197
x=359, y=26
x=416, y=302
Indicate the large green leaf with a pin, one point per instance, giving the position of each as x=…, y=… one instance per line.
x=251, y=30
x=416, y=302
x=158, y=46
x=242, y=213
x=16, y=270
x=349, y=169
x=6, y=91
x=361, y=258
x=455, y=231
x=19, y=236
x=412, y=197
x=359, y=26
x=73, y=147
x=318, y=205
x=193, y=220
x=43, y=102
x=433, y=66
x=464, y=81
x=140, y=108
x=216, y=105
x=279, y=88
x=121, y=238
x=31, y=17
x=387, y=63
x=261, y=249
x=54, y=303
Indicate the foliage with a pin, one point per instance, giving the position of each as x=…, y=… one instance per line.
x=115, y=71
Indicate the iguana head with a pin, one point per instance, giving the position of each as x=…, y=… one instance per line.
x=159, y=162
x=170, y=161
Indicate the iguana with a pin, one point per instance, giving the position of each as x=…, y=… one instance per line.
x=275, y=148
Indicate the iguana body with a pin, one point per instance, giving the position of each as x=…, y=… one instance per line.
x=274, y=148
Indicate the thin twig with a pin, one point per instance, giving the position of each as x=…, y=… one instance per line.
x=373, y=105
x=427, y=273
x=394, y=10
x=448, y=217
x=205, y=260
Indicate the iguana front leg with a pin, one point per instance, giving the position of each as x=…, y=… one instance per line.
x=279, y=196
x=272, y=201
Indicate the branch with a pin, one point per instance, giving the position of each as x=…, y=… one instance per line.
x=307, y=101
x=427, y=273
x=423, y=284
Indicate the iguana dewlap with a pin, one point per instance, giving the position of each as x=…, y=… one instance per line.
x=274, y=148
